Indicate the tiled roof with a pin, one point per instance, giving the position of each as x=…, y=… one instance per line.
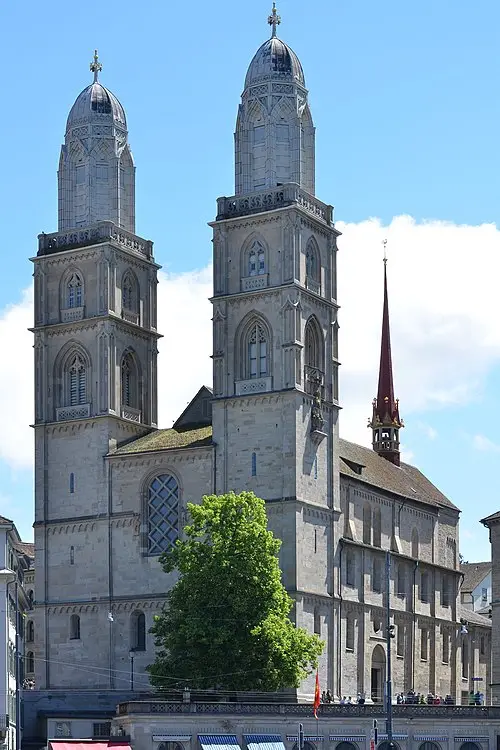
x=26, y=548
x=495, y=517
x=473, y=617
x=474, y=573
x=405, y=480
x=170, y=439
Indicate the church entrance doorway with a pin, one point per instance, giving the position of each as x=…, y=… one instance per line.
x=378, y=674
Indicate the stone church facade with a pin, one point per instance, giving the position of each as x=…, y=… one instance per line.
x=111, y=487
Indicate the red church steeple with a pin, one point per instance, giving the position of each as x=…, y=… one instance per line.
x=386, y=422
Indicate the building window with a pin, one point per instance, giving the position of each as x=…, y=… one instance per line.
x=313, y=345
x=30, y=631
x=71, y=483
x=74, y=291
x=377, y=527
x=30, y=662
x=317, y=622
x=482, y=645
x=349, y=633
x=163, y=514
x=367, y=524
x=315, y=467
x=377, y=575
x=400, y=640
x=74, y=628
x=130, y=294
x=414, y=544
x=254, y=464
x=77, y=374
x=63, y=729
x=315, y=540
x=256, y=265
x=401, y=580
x=312, y=261
x=30, y=599
x=445, y=590
x=484, y=594
x=446, y=647
x=129, y=381
x=257, y=352
x=71, y=555
x=424, y=644
x=424, y=587
x=102, y=729
x=137, y=631
x=350, y=572
x=465, y=659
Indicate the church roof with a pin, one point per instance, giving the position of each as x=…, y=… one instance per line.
x=474, y=618
x=95, y=102
x=405, y=480
x=171, y=439
x=474, y=573
x=274, y=60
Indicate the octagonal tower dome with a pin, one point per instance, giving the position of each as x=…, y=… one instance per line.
x=274, y=60
x=91, y=188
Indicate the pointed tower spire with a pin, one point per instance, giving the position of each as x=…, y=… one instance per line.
x=386, y=422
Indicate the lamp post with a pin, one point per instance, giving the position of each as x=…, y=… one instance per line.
x=8, y=576
x=389, y=636
x=131, y=654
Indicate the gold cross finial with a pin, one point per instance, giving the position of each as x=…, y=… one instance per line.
x=384, y=243
x=95, y=67
x=274, y=20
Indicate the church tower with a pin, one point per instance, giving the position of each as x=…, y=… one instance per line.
x=386, y=422
x=95, y=374
x=275, y=358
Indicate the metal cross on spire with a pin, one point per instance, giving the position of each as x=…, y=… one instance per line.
x=384, y=243
x=274, y=19
x=95, y=66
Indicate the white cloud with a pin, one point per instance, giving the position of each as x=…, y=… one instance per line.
x=445, y=336
x=482, y=443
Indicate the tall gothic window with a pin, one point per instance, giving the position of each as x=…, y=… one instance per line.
x=257, y=346
x=414, y=544
x=77, y=374
x=256, y=260
x=163, y=514
x=312, y=260
x=313, y=345
x=138, y=631
x=367, y=524
x=129, y=381
x=30, y=662
x=377, y=527
x=130, y=296
x=74, y=628
x=74, y=291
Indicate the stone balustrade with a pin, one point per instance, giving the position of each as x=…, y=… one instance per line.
x=279, y=197
x=102, y=231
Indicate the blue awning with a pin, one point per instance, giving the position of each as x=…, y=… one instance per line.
x=219, y=742
x=264, y=742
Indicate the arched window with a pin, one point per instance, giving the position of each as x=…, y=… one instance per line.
x=256, y=261
x=137, y=631
x=163, y=514
x=386, y=746
x=257, y=352
x=470, y=746
x=377, y=527
x=414, y=544
x=313, y=345
x=367, y=524
x=74, y=291
x=130, y=381
x=30, y=631
x=307, y=746
x=30, y=662
x=74, y=628
x=130, y=293
x=349, y=633
x=312, y=262
x=77, y=381
x=429, y=746
x=346, y=746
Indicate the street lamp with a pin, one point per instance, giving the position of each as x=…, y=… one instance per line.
x=8, y=576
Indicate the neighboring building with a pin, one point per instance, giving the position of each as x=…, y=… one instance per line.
x=111, y=489
x=475, y=591
x=16, y=563
x=492, y=523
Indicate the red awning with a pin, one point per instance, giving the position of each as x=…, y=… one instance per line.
x=87, y=745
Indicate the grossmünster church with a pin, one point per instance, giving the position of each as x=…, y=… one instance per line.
x=111, y=486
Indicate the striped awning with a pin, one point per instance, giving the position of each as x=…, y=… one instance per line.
x=347, y=737
x=219, y=742
x=394, y=736
x=264, y=742
x=310, y=737
x=429, y=738
x=471, y=739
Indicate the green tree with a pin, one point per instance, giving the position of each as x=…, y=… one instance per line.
x=225, y=624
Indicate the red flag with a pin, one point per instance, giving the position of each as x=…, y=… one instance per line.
x=317, y=696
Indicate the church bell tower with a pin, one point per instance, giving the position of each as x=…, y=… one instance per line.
x=95, y=374
x=275, y=357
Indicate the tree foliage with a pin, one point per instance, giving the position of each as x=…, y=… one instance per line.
x=226, y=621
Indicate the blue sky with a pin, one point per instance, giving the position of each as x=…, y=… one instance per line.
x=405, y=101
